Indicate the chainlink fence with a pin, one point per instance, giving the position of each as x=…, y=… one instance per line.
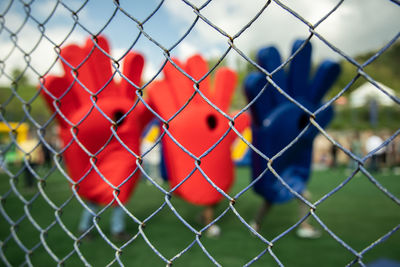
x=39, y=224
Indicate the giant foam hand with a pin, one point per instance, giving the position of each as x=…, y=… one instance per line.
x=276, y=121
x=197, y=128
x=90, y=106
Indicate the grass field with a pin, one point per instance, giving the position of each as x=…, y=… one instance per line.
x=359, y=214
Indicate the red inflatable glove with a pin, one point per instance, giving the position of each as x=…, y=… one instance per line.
x=89, y=104
x=197, y=128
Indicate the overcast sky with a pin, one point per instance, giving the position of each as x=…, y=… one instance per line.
x=355, y=27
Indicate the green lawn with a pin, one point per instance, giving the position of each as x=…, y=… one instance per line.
x=358, y=214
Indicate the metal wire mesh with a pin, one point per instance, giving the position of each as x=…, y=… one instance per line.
x=33, y=33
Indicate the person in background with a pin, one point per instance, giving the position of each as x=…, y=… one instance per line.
x=282, y=132
x=3, y=161
x=203, y=172
x=151, y=153
x=32, y=155
x=356, y=149
x=100, y=146
x=377, y=158
x=334, y=156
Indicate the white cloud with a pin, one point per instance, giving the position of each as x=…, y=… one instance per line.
x=28, y=46
x=187, y=49
x=355, y=27
x=41, y=52
x=42, y=10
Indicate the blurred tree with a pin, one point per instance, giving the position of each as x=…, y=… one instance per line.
x=21, y=98
x=384, y=69
x=19, y=77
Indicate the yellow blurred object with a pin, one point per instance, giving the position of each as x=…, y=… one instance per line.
x=152, y=134
x=240, y=148
x=20, y=129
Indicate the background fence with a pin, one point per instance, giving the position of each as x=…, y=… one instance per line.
x=357, y=208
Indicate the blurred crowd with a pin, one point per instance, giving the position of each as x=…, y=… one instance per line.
x=366, y=145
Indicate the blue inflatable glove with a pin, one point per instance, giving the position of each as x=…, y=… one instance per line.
x=276, y=121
